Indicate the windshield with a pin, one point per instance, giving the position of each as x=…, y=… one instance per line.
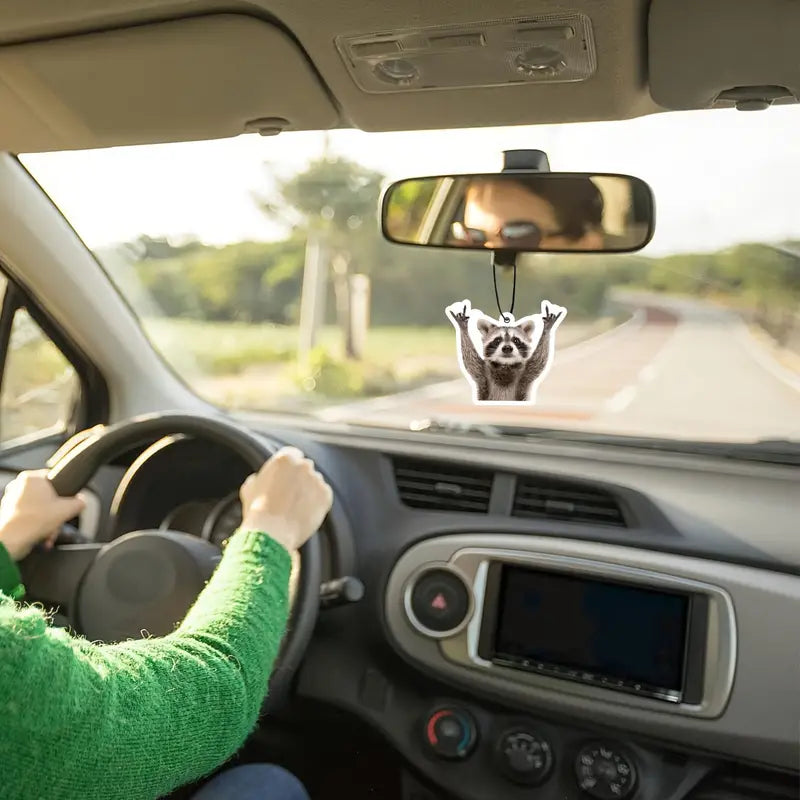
x=257, y=269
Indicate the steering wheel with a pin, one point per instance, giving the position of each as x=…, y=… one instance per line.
x=147, y=580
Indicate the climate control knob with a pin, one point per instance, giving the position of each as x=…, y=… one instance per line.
x=524, y=756
x=450, y=732
x=604, y=772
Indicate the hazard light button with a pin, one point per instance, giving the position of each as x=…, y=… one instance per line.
x=439, y=602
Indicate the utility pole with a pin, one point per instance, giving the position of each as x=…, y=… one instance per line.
x=312, y=298
x=359, y=291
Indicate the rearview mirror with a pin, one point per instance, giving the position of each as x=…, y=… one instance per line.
x=545, y=212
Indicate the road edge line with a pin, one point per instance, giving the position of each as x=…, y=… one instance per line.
x=764, y=358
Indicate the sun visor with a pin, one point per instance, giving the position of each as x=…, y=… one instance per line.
x=201, y=78
x=715, y=53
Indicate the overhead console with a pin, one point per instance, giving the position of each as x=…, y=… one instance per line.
x=673, y=647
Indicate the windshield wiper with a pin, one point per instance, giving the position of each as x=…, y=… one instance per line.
x=775, y=451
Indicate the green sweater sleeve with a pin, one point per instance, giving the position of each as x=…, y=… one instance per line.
x=10, y=579
x=137, y=719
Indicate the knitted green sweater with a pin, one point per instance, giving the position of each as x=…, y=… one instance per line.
x=136, y=720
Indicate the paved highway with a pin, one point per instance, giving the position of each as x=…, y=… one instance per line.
x=679, y=368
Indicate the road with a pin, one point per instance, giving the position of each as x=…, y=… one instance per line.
x=678, y=368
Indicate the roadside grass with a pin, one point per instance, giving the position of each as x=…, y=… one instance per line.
x=38, y=386
x=242, y=365
x=229, y=348
x=255, y=367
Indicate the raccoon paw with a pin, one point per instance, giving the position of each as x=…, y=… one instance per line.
x=461, y=318
x=549, y=318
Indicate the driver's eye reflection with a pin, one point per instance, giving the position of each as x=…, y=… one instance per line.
x=511, y=232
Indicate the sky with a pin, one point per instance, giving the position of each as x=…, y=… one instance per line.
x=719, y=177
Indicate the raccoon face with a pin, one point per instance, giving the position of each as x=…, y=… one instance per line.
x=506, y=346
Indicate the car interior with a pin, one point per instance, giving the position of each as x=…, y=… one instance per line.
x=414, y=667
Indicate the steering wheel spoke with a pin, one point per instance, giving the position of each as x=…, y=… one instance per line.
x=53, y=576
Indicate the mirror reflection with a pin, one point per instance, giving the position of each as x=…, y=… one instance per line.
x=541, y=212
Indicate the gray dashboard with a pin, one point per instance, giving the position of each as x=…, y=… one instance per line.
x=728, y=525
x=751, y=704
x=721, y=525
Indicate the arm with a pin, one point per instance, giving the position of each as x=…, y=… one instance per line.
x=537, y=363
x=10, y=579
x=137, y=719
x=472, y=362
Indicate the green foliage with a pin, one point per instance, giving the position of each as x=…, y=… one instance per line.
x=408, y=203
x=249, y=282
x=745, y=276
x=325, y=375
x=332, y=194
x=232, y=363
x=38, y=382
x=260, y=282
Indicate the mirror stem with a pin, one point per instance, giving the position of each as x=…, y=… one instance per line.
x=526, y=160
x=504, y=258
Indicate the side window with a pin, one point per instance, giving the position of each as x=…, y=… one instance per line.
x=39, y=386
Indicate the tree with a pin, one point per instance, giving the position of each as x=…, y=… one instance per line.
x=334, y=200
x=149, y=247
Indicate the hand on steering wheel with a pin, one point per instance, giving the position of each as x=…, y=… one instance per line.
x=287, y=499
x=149, y=579
x=31, y=512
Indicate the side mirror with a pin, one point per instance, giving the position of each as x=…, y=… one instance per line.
x=544, y=212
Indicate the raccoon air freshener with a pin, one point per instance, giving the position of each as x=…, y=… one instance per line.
x=505, y=359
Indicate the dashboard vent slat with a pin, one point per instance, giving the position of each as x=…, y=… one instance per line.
x=550, y=498
x=443, y=487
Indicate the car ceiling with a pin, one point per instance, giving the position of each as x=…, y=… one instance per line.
x=99, y=73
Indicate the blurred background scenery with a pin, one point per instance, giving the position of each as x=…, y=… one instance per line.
x=697, y=336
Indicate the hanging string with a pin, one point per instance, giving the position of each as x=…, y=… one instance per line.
x=505, y=316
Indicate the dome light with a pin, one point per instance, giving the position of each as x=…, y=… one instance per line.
x=398, y=71
x=540, y=62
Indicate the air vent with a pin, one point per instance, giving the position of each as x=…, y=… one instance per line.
x=549, y=498
x=443, y=487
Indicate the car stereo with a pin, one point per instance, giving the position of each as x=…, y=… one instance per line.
x=617, y=635
x=539, y=625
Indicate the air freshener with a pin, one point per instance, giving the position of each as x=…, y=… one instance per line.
x=505, y=359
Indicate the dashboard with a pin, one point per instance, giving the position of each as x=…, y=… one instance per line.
x=180, y=484
x=212, y=520
x=562, y=621
x=191, y=486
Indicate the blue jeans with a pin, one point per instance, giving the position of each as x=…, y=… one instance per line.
x=253, y=782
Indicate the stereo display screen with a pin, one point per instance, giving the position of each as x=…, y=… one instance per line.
x=591, y=630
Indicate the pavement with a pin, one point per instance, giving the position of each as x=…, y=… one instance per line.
x=677, y=368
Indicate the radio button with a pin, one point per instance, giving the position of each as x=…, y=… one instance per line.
x=524, y=756
x=439, y=602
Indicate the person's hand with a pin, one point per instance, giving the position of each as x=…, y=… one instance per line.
x=287, y=499
x=31, y=512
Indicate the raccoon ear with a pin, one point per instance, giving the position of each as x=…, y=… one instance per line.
x=484, y=325
x=528, y=328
